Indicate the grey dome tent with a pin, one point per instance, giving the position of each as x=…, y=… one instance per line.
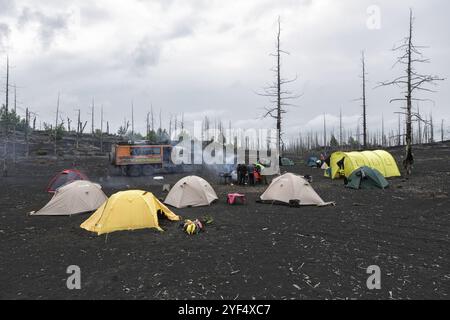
x=366, y=178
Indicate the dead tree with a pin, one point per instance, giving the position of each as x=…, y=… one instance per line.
x=152, y=119
x=411, y=82
x=132, y=121
x=6, y=122
x=148, y=126
x=7, y=87
x=56, y=125
x=341, y=139
x=101, y=130
x=364, y=106
x=27, y=133
x=80, y=128
x=93, y=116
x=442, y=130
x=279, y=97
x=14, y=124
x=431, y=129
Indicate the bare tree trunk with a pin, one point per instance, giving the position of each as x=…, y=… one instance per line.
x=340, y=129
x=14, y=124
x=27, y=135
x=152, y=119
x=442, y=130
x=56, y=126
x=93, y=116
x=431, y=129
x=364, y=101
x=132, y=121
x=419, y=127
x=7, y=85
x=148, y=126
x=5, y=150
x=279, y=87
x=101, y=130
x=78, y=129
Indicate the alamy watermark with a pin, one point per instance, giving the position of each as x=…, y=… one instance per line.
x=374, y=280
x=373, y=21
x=227, y=147
x=74, y=280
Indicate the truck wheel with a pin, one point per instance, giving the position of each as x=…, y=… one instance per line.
x=134, y=171
x=148, y=170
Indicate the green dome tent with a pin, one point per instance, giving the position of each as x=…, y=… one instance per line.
x=366, y=178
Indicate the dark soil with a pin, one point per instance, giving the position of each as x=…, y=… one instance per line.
x=254, y=251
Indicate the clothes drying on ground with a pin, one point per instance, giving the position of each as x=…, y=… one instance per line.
x=128, y=210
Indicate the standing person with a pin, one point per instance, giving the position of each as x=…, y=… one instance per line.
x=251, y=175
x=259, y=168
x=239, y=173
x=242, y=172
x=257, y=174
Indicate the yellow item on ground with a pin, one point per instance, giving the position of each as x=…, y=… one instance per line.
x=381, y=160
x=128, y=210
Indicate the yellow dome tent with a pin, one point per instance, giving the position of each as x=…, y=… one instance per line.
x=381, y=160
x=128, y=210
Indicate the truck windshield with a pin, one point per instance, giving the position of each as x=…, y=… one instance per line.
x=142, y=151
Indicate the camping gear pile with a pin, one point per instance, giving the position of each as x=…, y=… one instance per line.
x=232, y=198
x=193, y=227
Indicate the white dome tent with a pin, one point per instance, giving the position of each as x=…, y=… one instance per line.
x=74, y=198
x=191, y=191
x=290, y=188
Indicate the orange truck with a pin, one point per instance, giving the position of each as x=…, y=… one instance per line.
x=137, y=159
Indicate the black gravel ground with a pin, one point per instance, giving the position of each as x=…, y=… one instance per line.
x=256, y=251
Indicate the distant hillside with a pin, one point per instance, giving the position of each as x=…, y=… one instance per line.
x=42, y=144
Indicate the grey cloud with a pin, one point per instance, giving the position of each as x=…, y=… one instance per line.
x=325, y=53
x=48, y=25
x=6, y=7
x=92, y=14
x=4, y=35
x=146, y=54
x=182, y=30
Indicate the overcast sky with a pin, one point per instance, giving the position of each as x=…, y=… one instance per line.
x=209, y=57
